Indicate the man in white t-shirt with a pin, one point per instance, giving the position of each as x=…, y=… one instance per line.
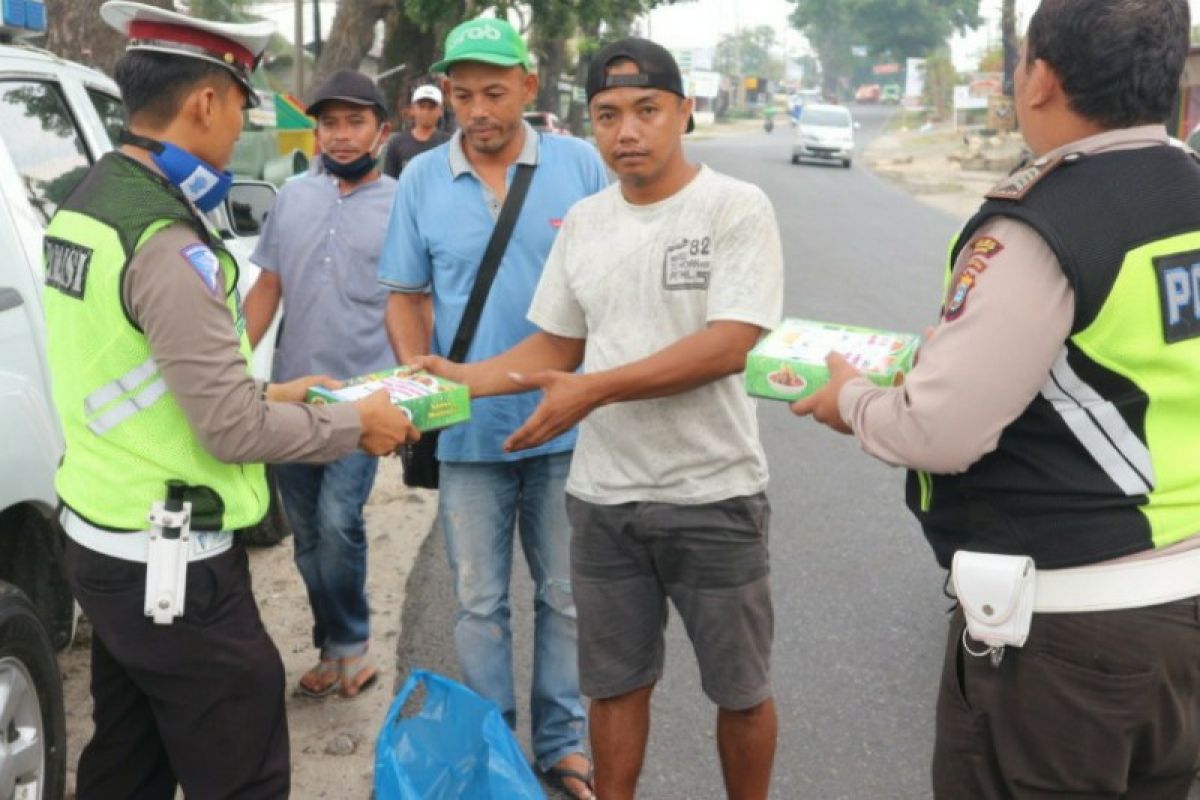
x=658, y=286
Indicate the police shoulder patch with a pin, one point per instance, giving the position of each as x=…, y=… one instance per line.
x=67, y=266
x=986, y=246
x=204, y=261
x=958, y=300
x=1021, y=182
x=976, y=266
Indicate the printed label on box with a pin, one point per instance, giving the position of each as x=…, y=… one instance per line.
x=790, y=362
x=430, y=402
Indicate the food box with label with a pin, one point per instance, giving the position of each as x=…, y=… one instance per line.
x=789, y=363
x=430, y=402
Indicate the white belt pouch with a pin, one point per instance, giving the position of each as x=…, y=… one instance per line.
x=996, y=593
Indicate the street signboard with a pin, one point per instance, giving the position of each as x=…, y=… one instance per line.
x=702, y=83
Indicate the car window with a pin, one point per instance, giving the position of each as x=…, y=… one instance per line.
x=111, y=111
x=832, y=118
x=43, y=140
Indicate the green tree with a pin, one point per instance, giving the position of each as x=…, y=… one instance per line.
x=829, y=26
x=940, y=78
x=350, y=36
x=554, y=23
x=599, y=22
x=745, y=52
x=911, y=28
x=992, y=60
x=222, y=10
x=75, y=31
x=893, y=29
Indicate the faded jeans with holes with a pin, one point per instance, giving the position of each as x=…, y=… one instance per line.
x=324, y=506
x=480, y=505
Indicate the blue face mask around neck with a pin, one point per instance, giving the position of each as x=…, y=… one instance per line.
x=357, y=169
x=200, y=182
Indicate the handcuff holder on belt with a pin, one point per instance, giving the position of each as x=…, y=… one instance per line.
x=167, y=558
x=996, y=593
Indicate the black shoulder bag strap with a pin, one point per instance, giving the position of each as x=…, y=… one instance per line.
x=420, y=463
x=490, y=264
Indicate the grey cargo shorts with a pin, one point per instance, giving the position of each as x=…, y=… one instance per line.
x=710, y=560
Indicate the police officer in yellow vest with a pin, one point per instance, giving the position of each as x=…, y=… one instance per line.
x=1053, y=428
x=149, y=363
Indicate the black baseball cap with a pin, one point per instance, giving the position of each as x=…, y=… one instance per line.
x=348, y=86
x=656, y=69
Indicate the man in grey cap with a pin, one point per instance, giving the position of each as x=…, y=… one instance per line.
x=148, y=357
x=319, y=252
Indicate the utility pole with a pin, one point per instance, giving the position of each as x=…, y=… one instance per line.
x=1008, y=39
x=317, y=29
x=298, y=51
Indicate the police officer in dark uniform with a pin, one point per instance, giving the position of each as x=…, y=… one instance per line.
x=149, y=359
x=1052, y=430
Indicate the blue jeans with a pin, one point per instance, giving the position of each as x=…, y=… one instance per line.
x=478, y=505
x=324, y=505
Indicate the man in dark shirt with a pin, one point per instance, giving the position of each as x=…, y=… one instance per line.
x=426, y=110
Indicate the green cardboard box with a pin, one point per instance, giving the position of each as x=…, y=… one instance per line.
x=789, y=363
x=430, y=402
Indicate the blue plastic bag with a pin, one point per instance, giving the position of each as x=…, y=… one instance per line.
x=457, y=747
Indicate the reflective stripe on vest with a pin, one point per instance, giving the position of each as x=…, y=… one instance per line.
x=127, y=408
x=122, y=385
x=1100, y=429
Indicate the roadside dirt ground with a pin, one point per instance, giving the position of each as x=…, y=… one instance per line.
x=919, y=161
x=333, y=740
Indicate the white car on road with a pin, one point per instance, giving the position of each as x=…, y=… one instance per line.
x=824, y=132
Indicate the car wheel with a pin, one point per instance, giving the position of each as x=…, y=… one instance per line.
x=33, y=734
x=795, y=159
x=846, y=163
x=31, y=560
x=274, y=527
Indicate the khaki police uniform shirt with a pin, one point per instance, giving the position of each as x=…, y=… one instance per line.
x=990, y=355
x=197, y=351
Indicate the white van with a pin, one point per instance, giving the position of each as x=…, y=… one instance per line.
x=824, y=132
x=56, y=119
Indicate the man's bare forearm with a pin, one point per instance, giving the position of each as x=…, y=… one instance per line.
x=409, y=322
x=541, y=351
x=260, y=305
x=693, y=361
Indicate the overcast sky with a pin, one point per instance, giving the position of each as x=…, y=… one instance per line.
x=702, y=23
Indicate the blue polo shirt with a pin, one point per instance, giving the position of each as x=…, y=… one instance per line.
x=441, y=220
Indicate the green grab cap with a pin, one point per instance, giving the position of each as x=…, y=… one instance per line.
x=491, y=41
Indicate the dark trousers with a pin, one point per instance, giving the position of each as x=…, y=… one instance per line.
x=1095, y=706
x=198, y=703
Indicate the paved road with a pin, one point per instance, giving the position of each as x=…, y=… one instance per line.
x=859, y=604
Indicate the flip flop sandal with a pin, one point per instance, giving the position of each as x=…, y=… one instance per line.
x=322, y=680
x=556, y=778
x=357, y=678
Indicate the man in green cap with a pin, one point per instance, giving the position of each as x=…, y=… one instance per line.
x=445, y=211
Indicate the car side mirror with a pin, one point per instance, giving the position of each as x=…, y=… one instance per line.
x=248, y=205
